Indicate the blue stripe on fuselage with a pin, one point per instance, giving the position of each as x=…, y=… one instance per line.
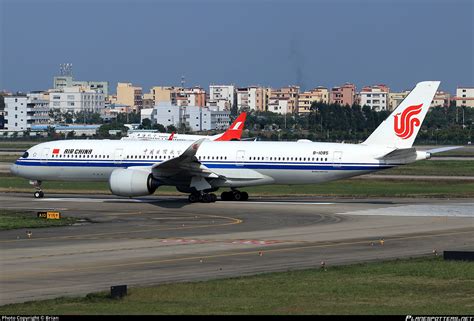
x=213, y=164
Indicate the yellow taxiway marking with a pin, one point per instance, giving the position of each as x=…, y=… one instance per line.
x=230, y=254
x=88, y=236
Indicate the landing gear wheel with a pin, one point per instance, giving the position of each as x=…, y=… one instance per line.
x=39, y=194
x=193, y=198
x=226, y=196
x=245, y=196
x=213, y=197
x=237, y=196
x=206, y=198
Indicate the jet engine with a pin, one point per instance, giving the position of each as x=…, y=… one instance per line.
x=132, y=182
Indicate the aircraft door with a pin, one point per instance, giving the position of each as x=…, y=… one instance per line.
x=337, y=159
x=44, y=155
x=118, y=156
x=240, y=158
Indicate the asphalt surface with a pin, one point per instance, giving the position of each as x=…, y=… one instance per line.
x=159, y=240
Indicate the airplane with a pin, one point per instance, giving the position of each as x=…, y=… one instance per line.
x=234, y=132
x=138, y=168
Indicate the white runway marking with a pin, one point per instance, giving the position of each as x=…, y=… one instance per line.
x=438, y=210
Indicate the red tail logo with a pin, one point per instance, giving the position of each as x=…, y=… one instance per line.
x=404, y=125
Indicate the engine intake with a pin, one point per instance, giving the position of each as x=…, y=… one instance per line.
x=132, y=182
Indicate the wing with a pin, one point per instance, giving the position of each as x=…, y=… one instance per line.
x=186, y=169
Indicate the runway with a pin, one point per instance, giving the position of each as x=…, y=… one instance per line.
x=157, y=240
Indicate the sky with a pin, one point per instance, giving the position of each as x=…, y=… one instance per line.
x=269, y=43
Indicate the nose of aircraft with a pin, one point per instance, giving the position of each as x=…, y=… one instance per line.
x=14, y=169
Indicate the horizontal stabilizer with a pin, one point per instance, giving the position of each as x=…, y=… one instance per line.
x=399, y=154
x=442, y=149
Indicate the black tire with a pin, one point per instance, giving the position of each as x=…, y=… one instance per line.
x=245, y=196
x=213, y=197
x=193, y=198
x=237, y=196
x=206, y=198
x=225, y=196
x=38, y=194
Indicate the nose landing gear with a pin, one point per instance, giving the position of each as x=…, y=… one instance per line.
x=37, y=185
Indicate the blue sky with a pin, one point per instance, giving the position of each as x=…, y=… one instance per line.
x=272, y=43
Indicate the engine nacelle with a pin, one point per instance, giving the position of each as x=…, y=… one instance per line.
x=132, y=182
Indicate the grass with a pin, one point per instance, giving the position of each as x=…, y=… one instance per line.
x=350, y=188
x=14, y=220
x=434, y=167
x=415, y=286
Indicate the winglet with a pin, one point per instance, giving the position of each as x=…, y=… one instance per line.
x=234, y=132
x=192, y=149
x=171, y=136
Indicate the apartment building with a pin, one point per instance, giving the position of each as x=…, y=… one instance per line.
x=23, y=112
x=343, y=95
x=60, y=82
x=222, y=96
x=465, y=96
x=376, y=97
x=77, y=99
x=196, y=118
x=130, y=95
x=441, y=98
x=395, y=98
x=289, y=94
x=306, y=99
x=251, y=98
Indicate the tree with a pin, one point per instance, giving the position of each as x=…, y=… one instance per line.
x=146, y=124
x=171, y=129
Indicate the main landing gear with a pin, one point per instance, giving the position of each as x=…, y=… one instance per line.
x=234, y=195
x=202, y=197
x=39, y=193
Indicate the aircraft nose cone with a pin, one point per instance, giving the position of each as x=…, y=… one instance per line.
x=14, y=169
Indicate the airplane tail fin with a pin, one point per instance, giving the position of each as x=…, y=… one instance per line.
x=234, y=132
x=399, y=130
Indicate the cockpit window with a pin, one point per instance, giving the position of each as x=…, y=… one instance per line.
x=25, y=155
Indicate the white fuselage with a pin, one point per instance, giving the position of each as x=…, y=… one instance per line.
x=165, y=136
x=243, y=163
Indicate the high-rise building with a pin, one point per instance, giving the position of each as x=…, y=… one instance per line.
x=130, y=95
x=306, y=99
x=464, y=96
x=343, y=95
x=23, y=112
x=376, y=97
